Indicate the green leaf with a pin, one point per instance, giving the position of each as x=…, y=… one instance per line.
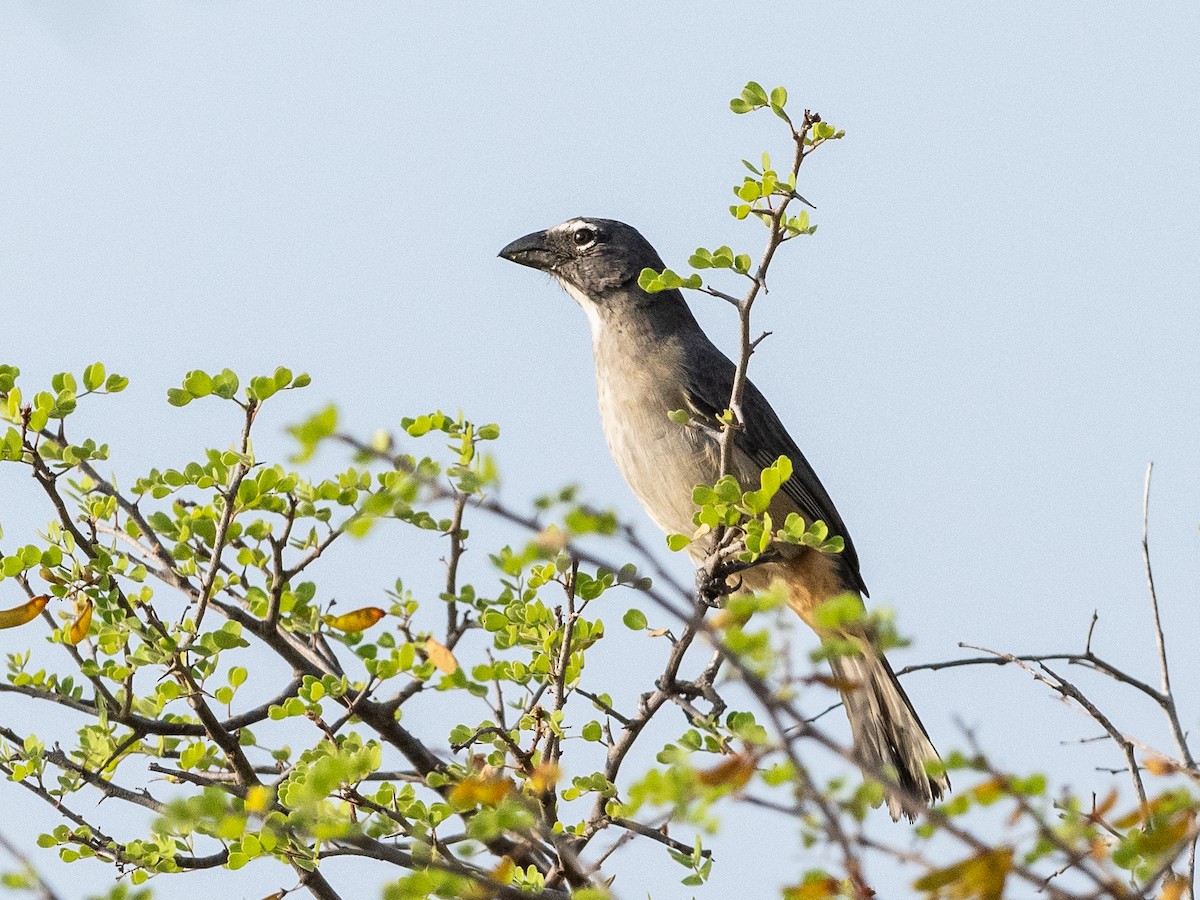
x=198, y=384
x=755, y=94
x=679, y=416
x=756, y=501
x=649, y=282
x=678, y=541
x=177, y=397
x=93, y=376
x=844, y=609
x=262, y=388
x=313, y=430
x=592, y=731
x=225, y=384
x=783, y=466
x=635, y=619
x=728, y=489
x=750, y=190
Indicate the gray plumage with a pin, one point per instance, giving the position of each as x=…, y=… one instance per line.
x=651, y=358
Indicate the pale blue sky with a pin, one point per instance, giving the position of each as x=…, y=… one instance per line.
x=993, y=331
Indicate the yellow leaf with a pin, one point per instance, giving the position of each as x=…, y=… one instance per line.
x=79, y=628
x=475, y=791
x=258, y=798
x=980, y=877
x=813, y=889
x=989, y=791
x=356, y=620
x=441, y=657
x=544, y=777
x=503, y=873
x=734, y=772
x=26, y=612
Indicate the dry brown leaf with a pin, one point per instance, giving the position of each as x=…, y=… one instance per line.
x=1158, y=765
x=842, y=685
x=1173, y=888
x=1106, y=805
x=734, y=772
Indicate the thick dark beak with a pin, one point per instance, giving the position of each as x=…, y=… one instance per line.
x=531, y=250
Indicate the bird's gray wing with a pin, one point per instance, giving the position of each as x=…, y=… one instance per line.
x=763, y=440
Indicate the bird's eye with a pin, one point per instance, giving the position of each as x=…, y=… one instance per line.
x=584, y=236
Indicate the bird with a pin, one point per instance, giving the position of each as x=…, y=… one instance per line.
x=652, y=358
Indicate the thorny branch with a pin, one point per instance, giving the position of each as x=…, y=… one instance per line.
x=549, y=847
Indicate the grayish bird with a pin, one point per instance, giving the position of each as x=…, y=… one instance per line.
x=651, y=358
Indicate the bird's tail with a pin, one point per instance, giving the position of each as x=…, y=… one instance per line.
x=887, y=732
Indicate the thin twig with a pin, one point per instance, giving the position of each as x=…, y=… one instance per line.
x=1169, y=706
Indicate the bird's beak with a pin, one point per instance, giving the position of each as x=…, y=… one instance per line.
x=531, y=250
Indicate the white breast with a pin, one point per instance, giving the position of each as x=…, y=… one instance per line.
x=589, y=308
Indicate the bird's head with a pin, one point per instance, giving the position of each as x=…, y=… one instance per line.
x=593, y=259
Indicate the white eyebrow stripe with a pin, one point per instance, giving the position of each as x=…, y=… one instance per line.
x=576, y=224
